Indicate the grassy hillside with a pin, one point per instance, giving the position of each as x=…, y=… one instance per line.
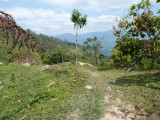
x=57, y=93
x=51, y=43
x=8, y=55
x=35, y=92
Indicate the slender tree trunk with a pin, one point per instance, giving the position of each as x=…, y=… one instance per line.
x=97, y=56
x=76, y=51
x=153, y=62
x=153, y=55
x=153, y=59
x=62, y=57
x=134, y=63
x=98, y=59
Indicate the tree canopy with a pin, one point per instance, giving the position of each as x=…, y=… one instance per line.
x=138, y=33
x=78, y=20
x=92, y=48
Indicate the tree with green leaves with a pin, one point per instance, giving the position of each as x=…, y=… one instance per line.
x=139, y=26
x=92, y=48
x=79, y=22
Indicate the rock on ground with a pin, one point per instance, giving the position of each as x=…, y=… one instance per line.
x=85, y=64
x=1, y=63
x=1, y=86
x=26, y=64
x=88, y=87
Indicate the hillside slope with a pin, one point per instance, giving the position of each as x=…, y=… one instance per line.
x=56, y=93
x=51, y=43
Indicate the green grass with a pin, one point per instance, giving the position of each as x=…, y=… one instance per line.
x=139, y=88
x=28, y=92
x=143, y=91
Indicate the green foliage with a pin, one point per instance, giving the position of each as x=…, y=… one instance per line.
x=144, y=64
x=52, y=55
x=56, y=57
x=119, y=59
x=39, y=93
x=142, y=91
x=13, y=77
x=50, y=43
x=105, y=66
x=137, y=35
x=79, y=22
x=34, y=92
x=8, y=55
x=92, y=48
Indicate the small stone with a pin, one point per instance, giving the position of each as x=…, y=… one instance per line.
x=23, y=118
x=52, y=83
x=108, y=88
x=26, y=64
x=88, y=87
x=82, y=78
x=1, y=86
x=85, y=64
x=47, y=66
x=1, y=64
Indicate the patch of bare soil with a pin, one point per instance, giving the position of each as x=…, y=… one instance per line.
x=74, y=115
x=118, y=110
x=155, y=116
x=94, y=74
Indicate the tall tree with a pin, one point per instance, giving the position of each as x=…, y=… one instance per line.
x=140, y=24
x=79, y=22
x=92, y=48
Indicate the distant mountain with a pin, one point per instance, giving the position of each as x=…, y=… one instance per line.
x=106, y=38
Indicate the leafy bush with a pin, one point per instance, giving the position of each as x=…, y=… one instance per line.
x=105, y=66
x=119, y=59
x=68, y=56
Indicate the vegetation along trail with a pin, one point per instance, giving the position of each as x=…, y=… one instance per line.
x=55, y=93
x=45, y=78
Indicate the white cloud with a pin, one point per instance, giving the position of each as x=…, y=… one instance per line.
x=113, y=6
x=51, y=23
x=41, y=20
x=21, y=13
x=4, y=0
x=102, y=19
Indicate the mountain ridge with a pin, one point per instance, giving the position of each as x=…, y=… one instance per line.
x=106, y=38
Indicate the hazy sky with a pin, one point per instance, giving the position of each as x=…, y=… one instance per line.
x=52, y=17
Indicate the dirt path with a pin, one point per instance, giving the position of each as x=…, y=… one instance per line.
x=115, y=108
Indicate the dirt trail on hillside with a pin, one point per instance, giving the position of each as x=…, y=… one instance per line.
x=94, y=74
x=116, y=109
